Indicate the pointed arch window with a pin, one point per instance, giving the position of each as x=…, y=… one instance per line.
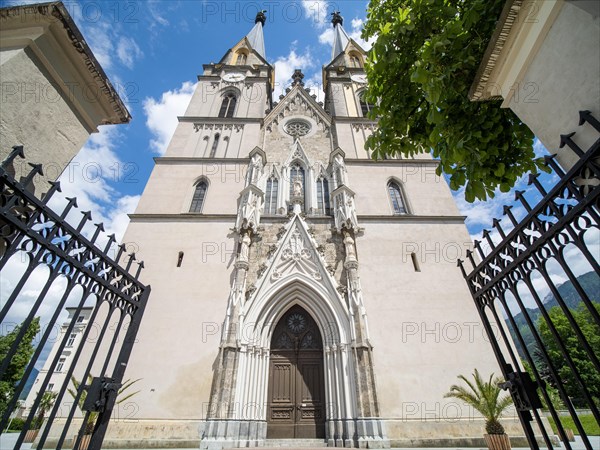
x=297, y=181
x=199, y=197
x=215, y=146
x=365, y=106
x=397, y=198
x=242, y=59
x=228, y=105
x=355, y=61
x=323, y=203
x=271, y=196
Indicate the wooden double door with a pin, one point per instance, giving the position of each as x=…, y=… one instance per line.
x=296, y=379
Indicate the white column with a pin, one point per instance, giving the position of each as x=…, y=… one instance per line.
x=347, y=374
x=264, y=383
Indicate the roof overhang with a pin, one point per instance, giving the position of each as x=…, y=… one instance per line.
x=513, y=45
x=48, y=30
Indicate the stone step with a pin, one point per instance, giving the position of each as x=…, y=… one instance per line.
x=295, y=443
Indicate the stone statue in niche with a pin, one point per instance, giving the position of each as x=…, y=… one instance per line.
x=245, y=242
x=350, y=249
x=297, y=188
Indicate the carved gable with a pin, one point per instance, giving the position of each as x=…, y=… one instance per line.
x=298, y=102
x=296, y=257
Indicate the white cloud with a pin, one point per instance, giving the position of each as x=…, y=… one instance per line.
x=128, y=51
x=355, y=33
x=285, y=66
x=88, y=178
x=161, y=115
x=327, y=37
x=154, y=6
x=317, y=11
x=100, y=38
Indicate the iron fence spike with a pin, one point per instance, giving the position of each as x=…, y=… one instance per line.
x=87, y=216
x=477, y=245
x=587, y=116
x=507, y=211
x=72, y=203
x=519, y=196
x=550, y=161
x=111, y=241
x=36, y=169
x=17, y=150
x=54, y=188
x=566, y=139
x=496, y=223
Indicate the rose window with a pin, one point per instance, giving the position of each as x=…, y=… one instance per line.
x=297, y=128
x=296, y=323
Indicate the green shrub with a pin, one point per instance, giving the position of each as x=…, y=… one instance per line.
x=17, y=424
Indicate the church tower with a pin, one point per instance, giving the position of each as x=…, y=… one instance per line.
x=300, y=290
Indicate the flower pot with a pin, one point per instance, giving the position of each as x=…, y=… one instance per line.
x=85, y=442
x=30, y=436
x=497, y=441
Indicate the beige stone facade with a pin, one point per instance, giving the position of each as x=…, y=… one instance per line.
x=368, y=249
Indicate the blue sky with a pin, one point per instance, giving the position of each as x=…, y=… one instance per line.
x=153, y=51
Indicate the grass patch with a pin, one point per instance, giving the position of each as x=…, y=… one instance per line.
x=590, y=425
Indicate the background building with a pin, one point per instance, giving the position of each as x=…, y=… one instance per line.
x=67, y=354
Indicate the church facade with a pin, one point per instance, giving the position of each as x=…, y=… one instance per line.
x=300, y=289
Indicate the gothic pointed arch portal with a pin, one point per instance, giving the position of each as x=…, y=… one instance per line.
x=328, y=391
x=296, y=395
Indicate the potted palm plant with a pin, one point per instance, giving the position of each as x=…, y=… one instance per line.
x=92, y=416
x=485, y=397
x=47, y=401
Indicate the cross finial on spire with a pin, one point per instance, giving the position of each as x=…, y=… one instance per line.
x=337, y=18
x=261, y=17
x=298, y=77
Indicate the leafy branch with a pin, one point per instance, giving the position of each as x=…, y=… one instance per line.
x=420, y=69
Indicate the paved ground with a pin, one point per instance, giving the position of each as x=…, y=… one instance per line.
x=7, y=442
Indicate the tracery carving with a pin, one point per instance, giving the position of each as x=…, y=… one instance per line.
x=296, y=330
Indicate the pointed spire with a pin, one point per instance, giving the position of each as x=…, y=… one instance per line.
x=256, y=36
x=340, y=37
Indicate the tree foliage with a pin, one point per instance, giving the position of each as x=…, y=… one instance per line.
x=581, y=360
x=484, y=396
x=18, y=362
x=420, y=69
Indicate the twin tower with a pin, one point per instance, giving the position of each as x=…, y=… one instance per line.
x=300, y=289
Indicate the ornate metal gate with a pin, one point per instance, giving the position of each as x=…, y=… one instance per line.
x=502, y=285
x=67, y=258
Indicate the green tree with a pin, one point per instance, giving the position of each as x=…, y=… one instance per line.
x=553, y=393
x=47, y=402
x=18, y=362
x=484, y=396
x=422, y=64
x=583, y=364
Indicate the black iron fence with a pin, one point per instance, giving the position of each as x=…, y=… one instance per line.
x=548, y=348
x=51, y=265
